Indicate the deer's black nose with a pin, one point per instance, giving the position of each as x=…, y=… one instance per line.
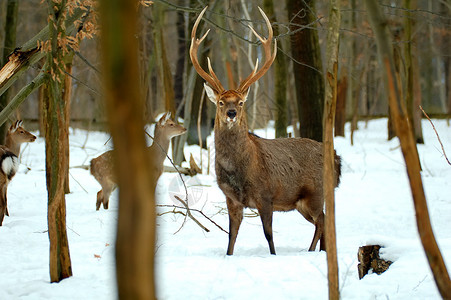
x=231, y=113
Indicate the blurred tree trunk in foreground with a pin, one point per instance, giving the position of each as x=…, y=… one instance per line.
x=135, y=244
x=408, y=147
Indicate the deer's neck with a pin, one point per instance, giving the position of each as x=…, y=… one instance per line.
x=161, y=145
x=232, y=145
x=12, y=146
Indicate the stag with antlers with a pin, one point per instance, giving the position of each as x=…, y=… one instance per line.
x=266, y=174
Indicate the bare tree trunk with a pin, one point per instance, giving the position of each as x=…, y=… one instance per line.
x=340, y=115
x=181, y=58
x=307, y=68
x=135, y=244
x=67, y=94
x=328, y=145
x=352, y=66
x=410, y=95
x=12, y=7
x=55, y=149
x=164, y=69
x=408, y=147
x=280, y=73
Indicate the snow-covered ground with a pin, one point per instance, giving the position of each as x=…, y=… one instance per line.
x=373, y=206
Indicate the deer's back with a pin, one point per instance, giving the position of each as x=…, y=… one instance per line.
x=102, y=167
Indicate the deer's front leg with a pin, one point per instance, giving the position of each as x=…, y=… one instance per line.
x=266, y=216
x=235, y=210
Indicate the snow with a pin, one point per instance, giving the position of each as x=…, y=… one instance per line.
x=373, y=206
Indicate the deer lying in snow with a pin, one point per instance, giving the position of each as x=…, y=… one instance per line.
x=270, y=175
x=9, y=161
x=102, y=166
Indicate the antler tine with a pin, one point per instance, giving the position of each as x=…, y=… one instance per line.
x=210, y=78
x=269, y=59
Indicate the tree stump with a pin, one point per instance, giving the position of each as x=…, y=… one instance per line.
x=369, y=259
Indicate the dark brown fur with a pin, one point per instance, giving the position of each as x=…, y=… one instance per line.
x=269, y=175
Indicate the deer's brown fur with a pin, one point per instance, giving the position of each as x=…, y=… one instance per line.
x=102, y=167
x=269, y=175
x=9, y=161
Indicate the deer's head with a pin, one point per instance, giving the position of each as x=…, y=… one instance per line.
x=167, y=128
x=18, y=134
x=230, y=103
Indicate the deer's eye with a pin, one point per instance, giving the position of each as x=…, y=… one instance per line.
x=221, y=103
x=241, y=103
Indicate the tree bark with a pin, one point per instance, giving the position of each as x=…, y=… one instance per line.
x=307, y=68
x=164, y=70
x=340, y=115
x=280, y=73
x=352, y=71
x=330, y=101
x=12, y=7
x=135, y=244
x=410, y=95
x=408, y=147
x=56, y=148
x=67, y=94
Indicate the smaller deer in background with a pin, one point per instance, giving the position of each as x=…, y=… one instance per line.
x=9, y=161
x=102, y=166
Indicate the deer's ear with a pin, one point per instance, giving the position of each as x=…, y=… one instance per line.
x=211, y=93
x=164, y=118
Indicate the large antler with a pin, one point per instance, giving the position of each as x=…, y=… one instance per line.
x=210, y=78
x=269, y=59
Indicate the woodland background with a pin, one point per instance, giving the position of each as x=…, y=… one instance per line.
x=164, y=42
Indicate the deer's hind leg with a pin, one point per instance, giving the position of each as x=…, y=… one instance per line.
x=3, y=202
x=312, y=210
x=103, y=196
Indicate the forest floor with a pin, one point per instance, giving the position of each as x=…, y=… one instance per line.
x=373, y=206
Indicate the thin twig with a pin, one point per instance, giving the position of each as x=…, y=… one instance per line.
x=196, y=210
x=188, y=212
x=78, y=182
x=438, y=137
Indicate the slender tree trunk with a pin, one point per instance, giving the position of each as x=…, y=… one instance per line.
x=410, y=95
x=181, y=58
x=12, y=7
x=56, y=148
x=164, y=69
x=408, y=147
x=280, y=73
x=67, y=94
x=135, y=243
x=307, y=68
x=352, y=73
x=328, y=145
x=340, y=115
x=192, y=112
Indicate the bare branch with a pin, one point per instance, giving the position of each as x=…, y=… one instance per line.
x=438, y=137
